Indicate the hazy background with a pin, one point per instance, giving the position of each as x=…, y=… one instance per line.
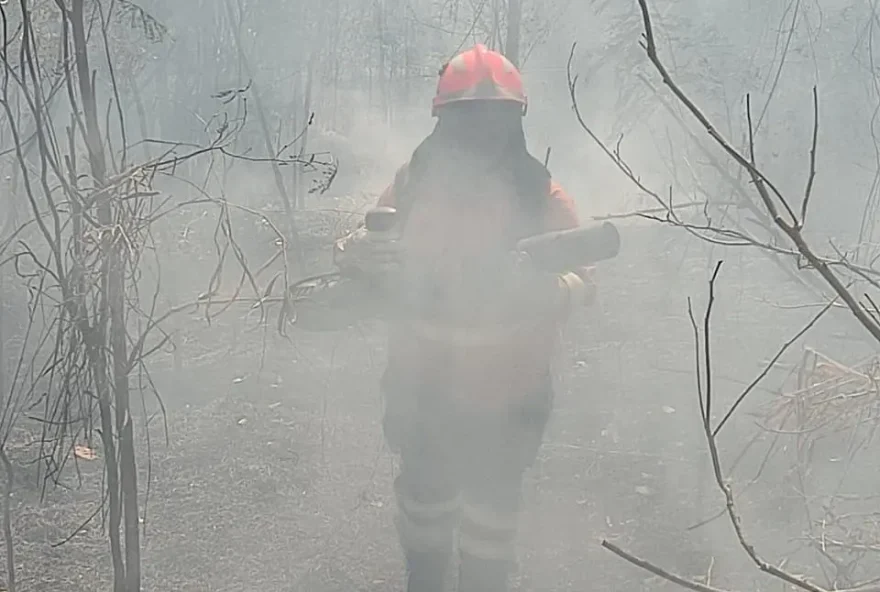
x=271, y=472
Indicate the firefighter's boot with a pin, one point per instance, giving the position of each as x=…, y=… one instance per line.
x=426, y=571
x=482, y=575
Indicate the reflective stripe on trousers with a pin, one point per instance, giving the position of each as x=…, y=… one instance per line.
x=488, y=532
x=487, y=528
x=465, y=476
x=425, y=523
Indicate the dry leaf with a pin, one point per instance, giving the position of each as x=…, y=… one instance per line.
x=84, y=452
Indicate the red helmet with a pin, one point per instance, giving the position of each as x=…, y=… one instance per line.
x=479, y=74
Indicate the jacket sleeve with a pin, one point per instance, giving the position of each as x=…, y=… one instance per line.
x=389, y=195
x=561, y=214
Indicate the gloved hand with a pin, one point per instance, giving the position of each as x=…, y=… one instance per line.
x=581, y=287
x=363, y=253
x=552, y=293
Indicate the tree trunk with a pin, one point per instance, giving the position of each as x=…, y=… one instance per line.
x=113, y=291
x=7, y=228
x=306, y=123
x=11, y=586
x=514, y=30
x=383, y=72
x=292, y=233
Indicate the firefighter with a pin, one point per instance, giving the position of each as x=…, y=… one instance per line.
x=468, y=387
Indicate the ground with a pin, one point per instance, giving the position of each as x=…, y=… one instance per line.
x=274, y=476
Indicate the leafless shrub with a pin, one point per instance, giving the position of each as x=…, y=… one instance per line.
x=78, y=257
x=841, y=399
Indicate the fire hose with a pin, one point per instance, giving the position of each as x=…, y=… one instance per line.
x=337, y=299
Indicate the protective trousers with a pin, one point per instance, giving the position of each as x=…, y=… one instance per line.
x=461, y=473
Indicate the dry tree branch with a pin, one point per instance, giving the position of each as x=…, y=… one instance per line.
x=723, y=484
x=7, y=520
x=708, y=231
x=743, y=200
x=767, y=191
x=812, y=175
x=771, y=364
x=791, y=225
x=781, y=216
x=651, y=50
x=235, y=24
x=703, y=370
x=830, y=400
x=703, y=231
x=80, y=270
x=658, y=571
x=648, y=212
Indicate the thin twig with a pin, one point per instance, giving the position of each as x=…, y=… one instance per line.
x=722, y=483
x=7, y=520
x=762, y=183
x=770, y=365
x=812, y=175
x=658, y=571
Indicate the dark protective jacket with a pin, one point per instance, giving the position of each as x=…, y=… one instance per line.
x=470, y=338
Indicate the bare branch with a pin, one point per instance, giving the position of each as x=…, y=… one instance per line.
x=771, y=364
x=812, y=175
x=790, y=227
x=658, y=571
x=720, y=480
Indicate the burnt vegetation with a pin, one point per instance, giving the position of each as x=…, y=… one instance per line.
x=824, y=405
x=164, y=166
